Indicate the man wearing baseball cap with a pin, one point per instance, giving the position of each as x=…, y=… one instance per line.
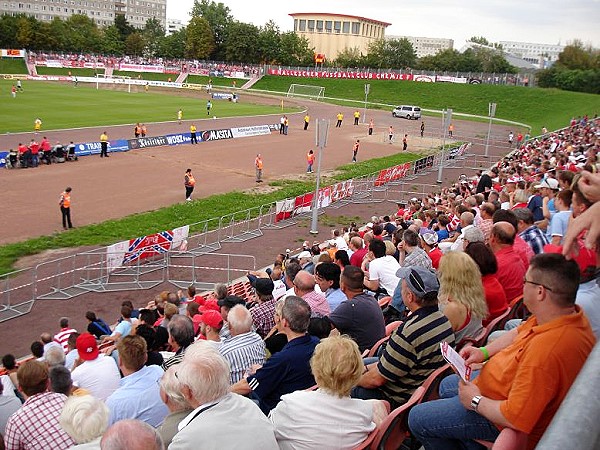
x=211, y=323
x=263, y=314
x=94, y=371
x=413, y=351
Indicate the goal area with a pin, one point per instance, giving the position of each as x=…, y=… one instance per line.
x=116, y=83
x=306, y=91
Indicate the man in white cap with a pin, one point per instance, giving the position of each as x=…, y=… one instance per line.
x=429, y=240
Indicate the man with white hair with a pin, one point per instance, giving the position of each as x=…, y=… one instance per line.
x=85, y=419
x=220, y=419
x=306, y=261
x=245, y=347
x=304, y=286
x=466, y=221
x=131, y=435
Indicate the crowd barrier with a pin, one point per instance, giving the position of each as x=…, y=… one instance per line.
x=189, y=254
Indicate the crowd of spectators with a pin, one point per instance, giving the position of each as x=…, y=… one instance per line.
x=283, y=368
x=37, y=153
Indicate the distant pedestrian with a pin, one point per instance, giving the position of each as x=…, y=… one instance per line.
x=451, y=129
x=75, y=81
x=306, y=121
x=281, y=124
x=13, y=91
x=340, y=118
x=146, y=87
x=391, y=134
x=179, y=116
x=208, y=107
x=511, y=137
x=144, y=130
x=65, y=208
x=422, y=128
x=37, y=125
x=193, y=134
x=356, y=117
x=137, y=130
x=310, y=159
x=405, y=142
x=371, y=126
x=355, y=149
x=258, y=164
x=189, y=183
x=286, y=125
x=103, y=145
x=19, y=86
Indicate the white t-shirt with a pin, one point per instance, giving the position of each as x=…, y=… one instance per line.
x=100, y=376
x=384, y=269
x=341, y=243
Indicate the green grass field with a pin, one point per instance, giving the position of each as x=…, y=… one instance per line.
x=537, y=107
x=61, y=105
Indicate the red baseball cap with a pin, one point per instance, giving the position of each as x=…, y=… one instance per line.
x=87, y=347
x=210, y=305
x=212, y=319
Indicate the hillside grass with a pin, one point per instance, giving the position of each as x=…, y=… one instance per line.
x=179, y=214
x=61, y=105
x=13, y=66
x=550, y=108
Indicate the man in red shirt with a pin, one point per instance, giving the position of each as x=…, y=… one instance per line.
x=46, y=148
x=34, y=147
x=24, y=154
x=429, y=239
x=358, y=251
x=511, y=269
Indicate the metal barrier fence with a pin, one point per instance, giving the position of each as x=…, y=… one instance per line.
x=197, y=262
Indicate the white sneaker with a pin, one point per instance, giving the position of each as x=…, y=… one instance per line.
x=188, y=199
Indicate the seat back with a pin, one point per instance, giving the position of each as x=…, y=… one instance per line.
x=481, y=338
x=394, y=429
x=373, y=350
x=432, y=384
x=508, y=439
x=392, y=326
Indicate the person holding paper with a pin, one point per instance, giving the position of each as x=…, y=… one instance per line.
x=530, y=368
x=413, y=351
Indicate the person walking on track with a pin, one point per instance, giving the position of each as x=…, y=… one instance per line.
x=65, y=208
x=355, y=149
x=189, y=183
x=258, y=164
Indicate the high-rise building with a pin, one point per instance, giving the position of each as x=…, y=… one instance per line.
x=539, y=54
x=174, y=25
x=103, y=12
x=329, y=34
x=426, y=46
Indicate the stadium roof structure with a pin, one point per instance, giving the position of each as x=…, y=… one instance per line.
x=360, y=18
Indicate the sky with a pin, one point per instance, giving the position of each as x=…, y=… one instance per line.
x=544, y=22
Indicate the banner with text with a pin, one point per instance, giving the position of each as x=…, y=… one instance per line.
x=362, y=75
x=392, y=173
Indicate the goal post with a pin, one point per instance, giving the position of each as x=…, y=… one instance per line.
x=114, y=81
x=306, y=91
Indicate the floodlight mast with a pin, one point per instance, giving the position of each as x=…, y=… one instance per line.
x=321, y=132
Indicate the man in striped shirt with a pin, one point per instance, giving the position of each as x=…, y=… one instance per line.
x=244, y=348
x=413, y=351
x=63, y=335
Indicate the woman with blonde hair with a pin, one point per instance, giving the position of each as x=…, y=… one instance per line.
x=461, y=296
x=328, y=417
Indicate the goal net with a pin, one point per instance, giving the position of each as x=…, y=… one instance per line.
x=307, y=91
x=116, y=83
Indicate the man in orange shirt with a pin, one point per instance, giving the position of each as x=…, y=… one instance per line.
x=65, y=208
x=310, y=159
x=258, y=164
x=189, y=183
x=530, y=368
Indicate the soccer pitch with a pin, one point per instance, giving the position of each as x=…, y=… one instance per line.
x=61, y=105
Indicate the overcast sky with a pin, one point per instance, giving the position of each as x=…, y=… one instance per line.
x=548, y=21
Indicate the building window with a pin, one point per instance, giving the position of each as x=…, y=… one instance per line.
x=328, y=24
x=302, y=25
x=311, y=25
x=346, y=28
x=295, y=24
x=319, y=25
x=337, y=26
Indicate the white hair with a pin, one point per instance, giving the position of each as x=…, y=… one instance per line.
x=171, y=387
x=84, y=418
x=131, y=434
x=54, y=356
x=239, y=319
x=205, y=372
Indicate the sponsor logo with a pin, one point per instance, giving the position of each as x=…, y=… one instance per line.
x=155, y=141
x=216, y=135
x=175, y=139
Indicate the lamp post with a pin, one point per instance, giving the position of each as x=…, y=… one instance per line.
x=446, y=120
x=492, y=113
x=367, y=89
x=321, y=132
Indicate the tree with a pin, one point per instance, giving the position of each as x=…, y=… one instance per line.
x=576, y=56
x=349, y=57
x=173, y=46
x=200, y=40
x=240, y=43
x=480, y=40
x=125, y=29
x=219, y=18
x=9, y=26
x=400, y=53
x=81, y=34
x=295, y=50
x=25, y=32
x=269, y=43
x=135, y=44
x=111, y=41
x=153, y=34
x=58, y=33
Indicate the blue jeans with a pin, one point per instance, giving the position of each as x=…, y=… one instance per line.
x=446, y=424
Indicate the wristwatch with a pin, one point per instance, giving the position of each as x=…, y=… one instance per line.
x=475, y=402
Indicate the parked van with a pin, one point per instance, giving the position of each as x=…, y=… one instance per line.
x=407, y=112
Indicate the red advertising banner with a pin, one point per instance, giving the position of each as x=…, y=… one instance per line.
x=342, y=74
x=392, y=174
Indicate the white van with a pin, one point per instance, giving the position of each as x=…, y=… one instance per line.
x=407, y=112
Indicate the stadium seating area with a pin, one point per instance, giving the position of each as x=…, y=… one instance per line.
x=542, y=198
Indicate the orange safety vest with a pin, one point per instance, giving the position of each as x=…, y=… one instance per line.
x=144, y=129
x=190, y=180
x=138, y=130
x=65, y=200
x=259, y=163
x=310, y=158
